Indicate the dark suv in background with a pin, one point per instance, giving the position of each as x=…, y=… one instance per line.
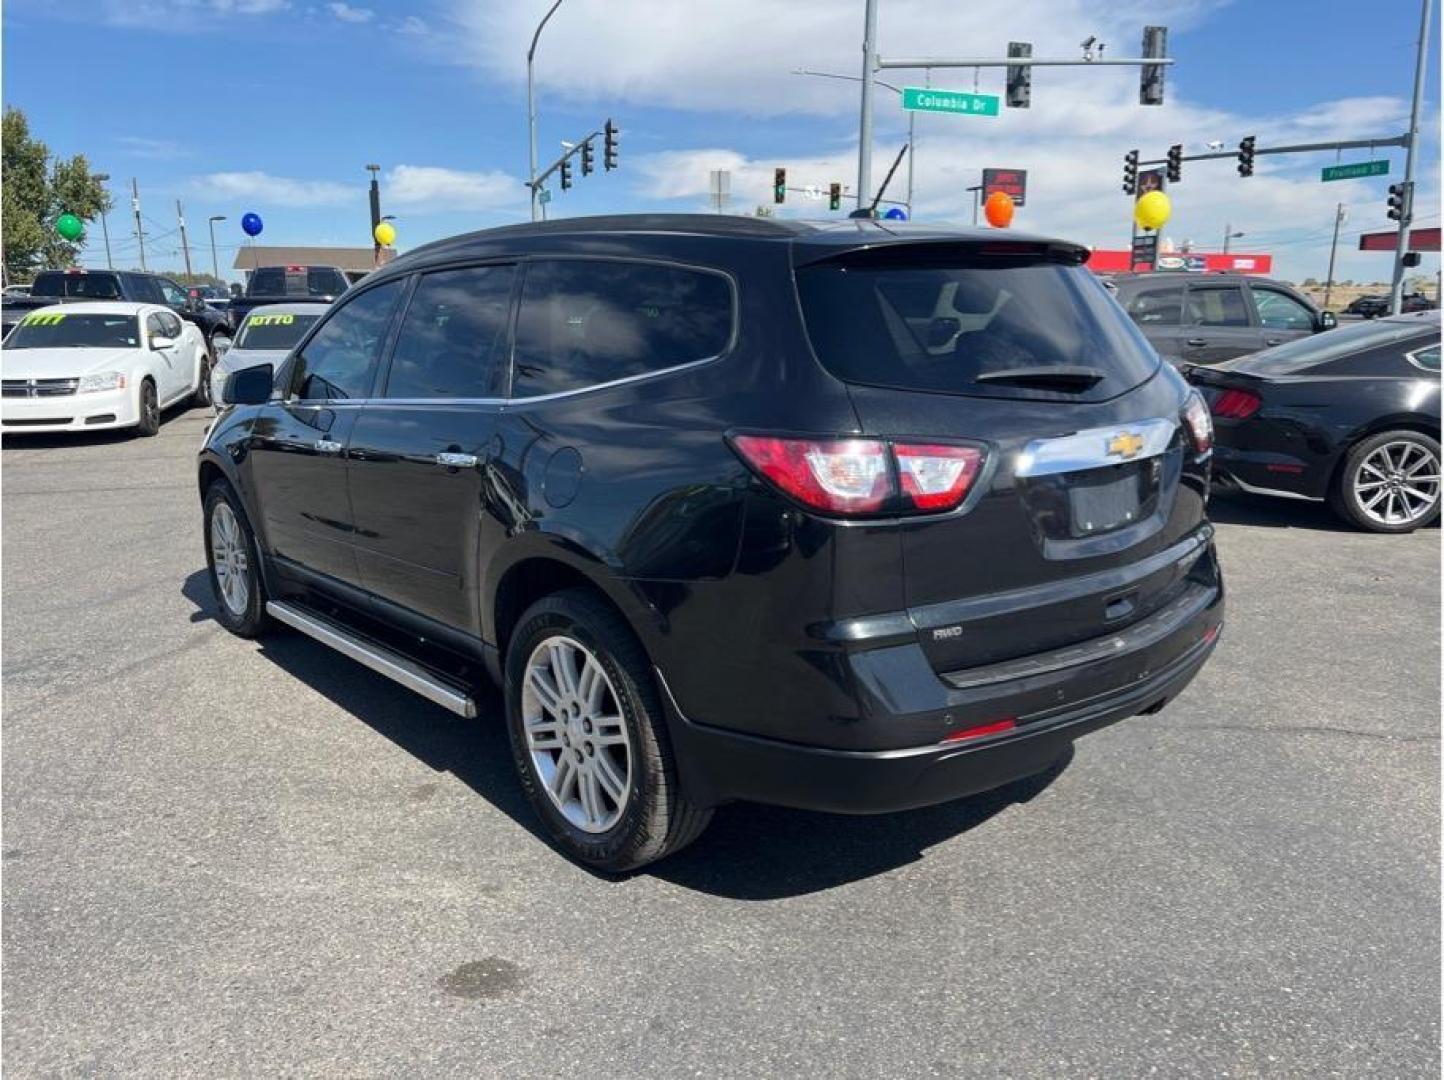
x=1208, y=318
x=847, y=517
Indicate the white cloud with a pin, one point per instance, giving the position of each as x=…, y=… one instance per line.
x=428, y=188
x=182, y=15
x=155, y=149
x=346, y=13
x=411, y=25
x=264, y=189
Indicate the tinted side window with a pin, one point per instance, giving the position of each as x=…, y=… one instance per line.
x=1278, y=311
x=174, y=297
x=154, y=327
x=1217, y=307
x=1427, y=357
x=1158, y=306
x=586, y=322
x=453, y=338
x=170, y=324
x=146, y=289
x=340, y=360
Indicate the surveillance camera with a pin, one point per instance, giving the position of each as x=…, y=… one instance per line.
x=1090, y=41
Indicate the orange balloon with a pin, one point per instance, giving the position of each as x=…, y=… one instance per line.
x=998, y=210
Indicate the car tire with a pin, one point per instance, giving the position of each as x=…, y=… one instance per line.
x=636, y=812
x=231, y=558
x=202, y=395
x=1370, y=494
x=149, y=406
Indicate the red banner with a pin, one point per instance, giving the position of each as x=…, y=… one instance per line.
x=1104, y=261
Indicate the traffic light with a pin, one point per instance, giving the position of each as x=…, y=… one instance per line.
x=834, y=197
x=587, y=165
x=1399, y=201
x=609, y=146
x=1130, y=172
x=1020, y=76
x=566, y=171
x=779, y=185
x=1175, y=163
x=1245, y=157
x=1150, y=79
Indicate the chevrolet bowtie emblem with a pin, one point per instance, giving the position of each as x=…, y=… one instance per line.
x=1125, y=444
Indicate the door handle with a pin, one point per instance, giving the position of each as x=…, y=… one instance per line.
x=327, y=446
x=1197, y=342
x=456, y=461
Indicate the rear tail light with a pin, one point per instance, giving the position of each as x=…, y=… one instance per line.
x=1236, y=404
x=1200, y=424
x=864, y=476
x=1006, y=724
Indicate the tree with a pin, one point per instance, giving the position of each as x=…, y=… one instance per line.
x=34, y=196
x=1310, y=282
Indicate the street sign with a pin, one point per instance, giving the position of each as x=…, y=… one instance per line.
x=544, y=196
x=924, y=99
x=1011, y=182
x=812, y=191
x=1355, y=170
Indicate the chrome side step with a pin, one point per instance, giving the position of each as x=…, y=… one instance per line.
x=377, y=657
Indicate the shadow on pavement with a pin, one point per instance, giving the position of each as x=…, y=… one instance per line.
x=749, y=852
x=1241, y=508
x=105, y=437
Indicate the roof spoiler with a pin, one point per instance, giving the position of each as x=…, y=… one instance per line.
x=942, y=251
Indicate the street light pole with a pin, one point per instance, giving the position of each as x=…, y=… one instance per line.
x=1396, y=289
x=976, y=189
x=104, y=228
x=531, y=108
x=1333, y=248
x=375, y=214
x=215, y=266
x=1227, y=233
x=864, y=139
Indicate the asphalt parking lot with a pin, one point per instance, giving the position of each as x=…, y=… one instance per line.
x=225, y=858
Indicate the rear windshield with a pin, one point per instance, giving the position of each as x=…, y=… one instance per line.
x=262, y=331
x=1305, y=352
x=297, y=281
x=938, y=327
x=91, y=286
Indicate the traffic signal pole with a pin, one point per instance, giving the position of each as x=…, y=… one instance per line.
x=870, y=65
x=1396, y=289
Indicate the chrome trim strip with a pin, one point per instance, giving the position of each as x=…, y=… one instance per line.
x=1252, y=490
x=382, y=661
x=1088, y=449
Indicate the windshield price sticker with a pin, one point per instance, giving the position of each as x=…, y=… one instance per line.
x=272, y=320
x=46, y=319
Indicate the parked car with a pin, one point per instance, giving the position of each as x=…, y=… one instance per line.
x=842, y=517
x=15, y=292
x=287, y=285
x=1209, y=318
x=266, y=335
x=1416, y=302
x=76, y=285
x=88, y=366
x=1369, y=306
x=1350, y=417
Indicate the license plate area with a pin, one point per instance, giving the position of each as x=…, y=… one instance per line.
x=1101, y=500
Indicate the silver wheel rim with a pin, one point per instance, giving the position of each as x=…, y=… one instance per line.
x=229, y=561
x=576, y=734
x=1398, y=483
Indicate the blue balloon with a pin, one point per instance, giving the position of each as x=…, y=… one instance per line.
x=896, y=213
x=251, y=224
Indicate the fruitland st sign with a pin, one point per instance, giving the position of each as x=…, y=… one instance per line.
x=925, y=99
x=1355, y=170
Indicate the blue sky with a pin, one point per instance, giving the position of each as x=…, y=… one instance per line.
x=276, y=107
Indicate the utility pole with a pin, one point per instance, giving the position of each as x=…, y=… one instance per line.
x=215, y=266
x=531, y=109
x=105, y=229
x=976, y=189
x=1227, y=235
x=1396, y=290
x=135, y=206
x=185, y=247
x=869, y=66
x=1333, y=249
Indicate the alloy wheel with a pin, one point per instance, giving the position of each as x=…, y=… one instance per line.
x=232, y=565
x=1398, y=483
x=576, y=734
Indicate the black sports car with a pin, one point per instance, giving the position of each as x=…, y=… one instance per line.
x=1351, y=417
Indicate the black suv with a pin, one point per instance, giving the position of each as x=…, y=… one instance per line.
x=853, y=517
x=1209, y=318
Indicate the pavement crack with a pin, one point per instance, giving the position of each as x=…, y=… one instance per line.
x=1315, y=729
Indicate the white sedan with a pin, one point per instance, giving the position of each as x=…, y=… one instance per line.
x=90, y=366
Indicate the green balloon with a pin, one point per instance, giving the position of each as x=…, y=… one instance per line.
x=69, y=226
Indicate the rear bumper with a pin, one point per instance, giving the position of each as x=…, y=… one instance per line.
x=1052, y=701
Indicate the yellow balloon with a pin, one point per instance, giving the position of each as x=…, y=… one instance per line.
x=1152, y=210
x=385, y=234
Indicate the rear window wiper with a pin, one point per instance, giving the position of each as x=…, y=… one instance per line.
x=1047, y=377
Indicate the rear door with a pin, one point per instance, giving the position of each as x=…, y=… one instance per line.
x=419, y=450
x=1089, y=491
x=1157, y=308
x=1218, y=324
x=298, y=441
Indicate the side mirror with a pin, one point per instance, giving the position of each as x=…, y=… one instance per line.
x=220, y=345
x=249, y=386
x=160, y=344
x=1328, y=320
